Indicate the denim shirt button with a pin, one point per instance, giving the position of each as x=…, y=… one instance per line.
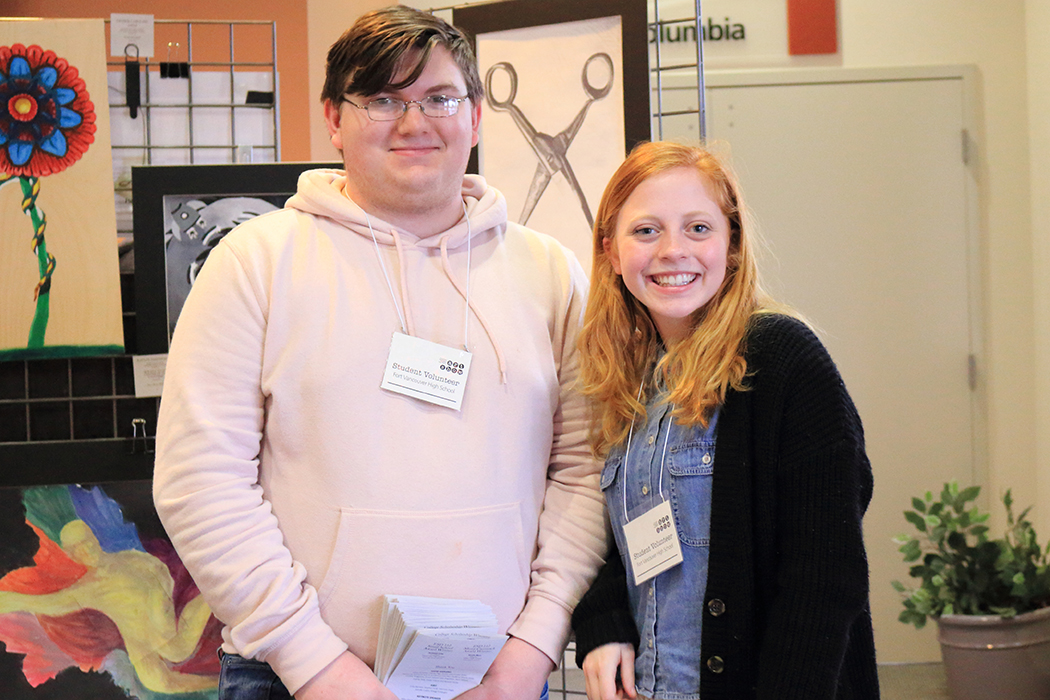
x=716, y=607
x=715, y=664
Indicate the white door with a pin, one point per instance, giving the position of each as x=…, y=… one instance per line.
x=859, y=187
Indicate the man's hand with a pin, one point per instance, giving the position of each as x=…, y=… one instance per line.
x=346, y=678
x=599, y=670
x=518, y=673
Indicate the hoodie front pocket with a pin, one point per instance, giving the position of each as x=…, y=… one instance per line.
x=475, y=553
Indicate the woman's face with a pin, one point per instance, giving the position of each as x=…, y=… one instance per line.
x=670, y=245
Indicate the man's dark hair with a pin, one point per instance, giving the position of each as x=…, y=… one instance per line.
x=384, y=42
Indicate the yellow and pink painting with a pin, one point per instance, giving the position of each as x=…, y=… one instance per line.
x=96, y=604
x=59, y=272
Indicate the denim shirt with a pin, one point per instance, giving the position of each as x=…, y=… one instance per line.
x=677, y=461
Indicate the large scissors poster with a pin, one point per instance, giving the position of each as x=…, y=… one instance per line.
x=553, y=127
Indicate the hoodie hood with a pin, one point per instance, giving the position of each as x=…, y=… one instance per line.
x=320, y=193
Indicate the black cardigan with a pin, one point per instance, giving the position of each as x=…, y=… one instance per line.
x=786, y=609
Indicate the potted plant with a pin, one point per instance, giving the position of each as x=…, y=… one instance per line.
x=990, y=597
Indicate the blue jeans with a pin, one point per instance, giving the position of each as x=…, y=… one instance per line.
x=248, y=679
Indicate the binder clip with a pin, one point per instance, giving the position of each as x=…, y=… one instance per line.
x=259, y=97
x=176, y=68
x=140, y=442
x=132, y=86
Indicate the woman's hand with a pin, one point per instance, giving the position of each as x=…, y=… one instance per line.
x=609, y=672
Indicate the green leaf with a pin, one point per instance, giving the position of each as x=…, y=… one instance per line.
x=911, y=617
x=915, y=519
x=969, y=494
x=918, y=504
x=898, y=586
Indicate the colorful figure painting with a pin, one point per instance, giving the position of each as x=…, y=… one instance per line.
x=59, y=277
x=94, y=602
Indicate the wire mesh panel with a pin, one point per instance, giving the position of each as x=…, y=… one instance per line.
x=207, y=96
x=676, y=110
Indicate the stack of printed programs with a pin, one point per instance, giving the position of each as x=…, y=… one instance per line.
x=434, y=648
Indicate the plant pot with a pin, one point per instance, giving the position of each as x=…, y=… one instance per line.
x=989, y=658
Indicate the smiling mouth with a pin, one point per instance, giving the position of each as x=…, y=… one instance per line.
x=678, y=280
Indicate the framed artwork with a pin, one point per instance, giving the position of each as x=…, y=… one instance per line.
x=180, y=213
x=59, y=273
x=94, y=601
x=567, y=96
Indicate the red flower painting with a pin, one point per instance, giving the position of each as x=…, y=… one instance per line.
x=47, y=120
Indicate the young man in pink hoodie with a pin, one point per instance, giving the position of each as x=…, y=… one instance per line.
x=371, y=391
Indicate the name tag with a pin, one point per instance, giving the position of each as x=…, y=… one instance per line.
x=652, y=541
x=426, y=371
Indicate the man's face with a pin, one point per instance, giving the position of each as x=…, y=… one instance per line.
x=413, y=166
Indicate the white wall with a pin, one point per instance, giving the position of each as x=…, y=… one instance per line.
x=992, y=36
x=1037, y=22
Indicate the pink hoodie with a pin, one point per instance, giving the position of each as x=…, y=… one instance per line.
x=298, y=492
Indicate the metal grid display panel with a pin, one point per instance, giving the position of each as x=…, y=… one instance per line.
x=203, y=117
x=674, y=109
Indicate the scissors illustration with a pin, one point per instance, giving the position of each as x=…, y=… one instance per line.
x=551, y=150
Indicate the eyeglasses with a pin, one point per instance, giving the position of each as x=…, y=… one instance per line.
x=388, y=109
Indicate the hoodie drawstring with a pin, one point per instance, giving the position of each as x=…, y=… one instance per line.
x=405, y=327
x=406, y=319
x=404, y=284
x=447, y=267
